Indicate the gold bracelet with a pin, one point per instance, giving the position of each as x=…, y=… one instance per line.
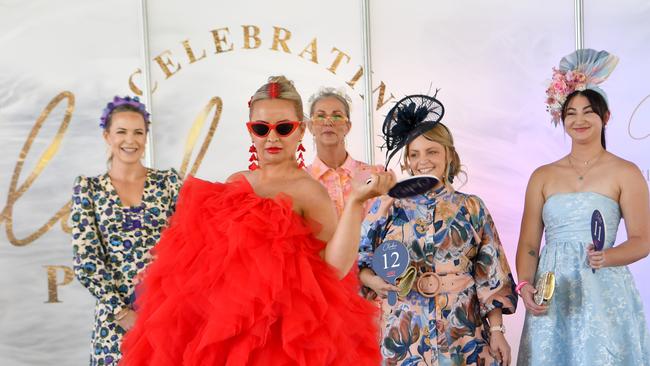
x=498, y=328
x=122, y=314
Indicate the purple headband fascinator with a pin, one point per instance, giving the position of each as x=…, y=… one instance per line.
x=118, y=101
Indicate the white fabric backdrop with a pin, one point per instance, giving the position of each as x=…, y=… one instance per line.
x=491, y=61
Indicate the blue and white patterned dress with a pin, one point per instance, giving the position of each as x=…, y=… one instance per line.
x=111, y=246
x=593, y=318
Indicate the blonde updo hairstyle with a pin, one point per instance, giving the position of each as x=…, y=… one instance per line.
x=278, y=87
x=441, y=134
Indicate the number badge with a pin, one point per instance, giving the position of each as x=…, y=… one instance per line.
x=390, y=260
x=597, y=231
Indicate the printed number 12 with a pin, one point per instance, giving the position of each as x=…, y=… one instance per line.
x=395, y=262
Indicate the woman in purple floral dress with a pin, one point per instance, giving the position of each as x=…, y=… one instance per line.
x=117, y=217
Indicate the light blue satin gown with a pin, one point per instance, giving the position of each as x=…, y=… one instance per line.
x=593, y=318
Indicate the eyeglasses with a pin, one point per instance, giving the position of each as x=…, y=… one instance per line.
x=262, y=129
x=335, y=119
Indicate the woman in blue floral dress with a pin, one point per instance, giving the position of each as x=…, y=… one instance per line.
x=451, y=312
x=117, y=217
x=596, y=315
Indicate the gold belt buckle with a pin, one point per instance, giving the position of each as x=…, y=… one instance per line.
x=428, y=284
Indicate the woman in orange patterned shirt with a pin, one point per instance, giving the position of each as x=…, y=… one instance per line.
x=333, y=166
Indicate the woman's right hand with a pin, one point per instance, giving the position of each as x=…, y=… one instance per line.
x=527, y=294
x=128, y=321
x=378, y=285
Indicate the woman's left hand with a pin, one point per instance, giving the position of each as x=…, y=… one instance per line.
x=596, y=258
x=499, y=348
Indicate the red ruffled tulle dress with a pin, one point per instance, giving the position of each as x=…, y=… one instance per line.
x=237, y=280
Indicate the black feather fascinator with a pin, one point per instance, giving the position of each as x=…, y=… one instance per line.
x=409, y=118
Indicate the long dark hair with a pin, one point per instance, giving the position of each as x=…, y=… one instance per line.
x=598, y=105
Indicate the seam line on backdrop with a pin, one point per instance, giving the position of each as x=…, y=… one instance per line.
x=146, y=92
x=579, y=24
x=369, y=130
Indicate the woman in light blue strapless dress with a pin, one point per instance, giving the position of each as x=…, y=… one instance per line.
x=595, y=317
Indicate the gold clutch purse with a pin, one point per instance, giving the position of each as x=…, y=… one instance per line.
x=545, y=288
x=406, y=281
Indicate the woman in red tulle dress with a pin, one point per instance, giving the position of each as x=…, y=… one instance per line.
x=248, y=273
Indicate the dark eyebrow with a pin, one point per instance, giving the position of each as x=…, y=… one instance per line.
x=583, y=108
x=126, y=129
x=334, y=111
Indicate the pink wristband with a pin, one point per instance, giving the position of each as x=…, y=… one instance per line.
x=519, y=286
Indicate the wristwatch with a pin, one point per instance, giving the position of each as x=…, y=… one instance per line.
x=498, y=328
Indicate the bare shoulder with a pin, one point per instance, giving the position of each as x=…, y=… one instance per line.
x=311, y=199
x=625, y=170
x=624, y=165
x=310, y=188
x=543, y=173
x=242, y=174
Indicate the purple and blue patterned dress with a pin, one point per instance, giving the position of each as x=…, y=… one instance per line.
x=111, y=246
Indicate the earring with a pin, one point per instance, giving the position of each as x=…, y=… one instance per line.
x=301, y=159
x=253, y=158
x=448, y=176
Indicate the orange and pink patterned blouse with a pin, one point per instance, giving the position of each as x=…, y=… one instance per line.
x=338, y=182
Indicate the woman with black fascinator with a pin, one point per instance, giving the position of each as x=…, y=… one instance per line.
x=449, y=300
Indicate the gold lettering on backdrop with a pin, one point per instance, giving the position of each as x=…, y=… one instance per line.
x=64, y=221
x=629, y=123
x=221, y=40
x=195, y=130
x=380, y=97
x=166, y=63
x=190, y=52
x=248, y=36
x=337, y=61
x=312, y=49
x=16, y=192
x=62, y=215
x=252, y=40
x=134, y=88
x=53, y=285
x=356, y=77
x=277, y=40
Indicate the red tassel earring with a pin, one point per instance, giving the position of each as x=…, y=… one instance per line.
x=301, y=159
x=253, y=158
